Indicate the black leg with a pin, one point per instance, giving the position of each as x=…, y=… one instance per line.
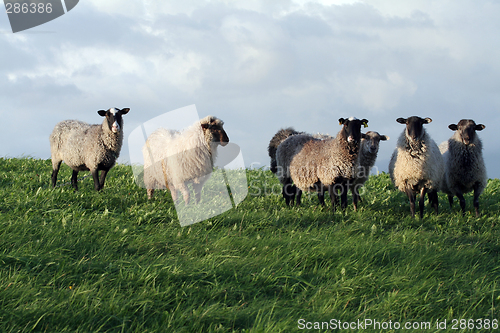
x=450, y=200
x=333, y=195
x=298, y=195
x=74, y=179
x=54, y=174
x=461, y=199
x=288, y=193
x=344, y=188
x=411, y=198
x=103, y=178
x=321, y=197
x=433, y=198
x=421, y=203
x=95, y=175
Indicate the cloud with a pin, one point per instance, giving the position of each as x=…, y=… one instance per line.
x=258, y=65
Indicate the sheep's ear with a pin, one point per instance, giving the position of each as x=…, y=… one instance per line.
x=205, y=126
x=365, y=123
x=427, y=120
x=125, y=111
x=453, y=127
x=480, y=127
x=364, y=136
x=341, y=121
x=401, y=120
x=384, y=137
x=102, y=113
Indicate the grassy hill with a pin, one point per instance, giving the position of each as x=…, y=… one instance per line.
x=115, y=262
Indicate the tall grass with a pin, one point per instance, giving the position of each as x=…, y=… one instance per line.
x=115, y=262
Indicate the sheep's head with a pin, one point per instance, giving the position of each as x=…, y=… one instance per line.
x=466, y=130
x=414, y=126
x=351, y=130
x=213, y=130
x=371, y=141
x=114, y=118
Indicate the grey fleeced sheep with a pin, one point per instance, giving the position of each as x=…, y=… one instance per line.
x=86, y=147
x=315, y=165
x=416, y=164
x=464, y=164
x=277, y=139
x=175, y=159
x=290, y=191
x=370, y=144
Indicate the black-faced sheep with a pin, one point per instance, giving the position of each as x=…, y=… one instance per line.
x=86, y=147
x=175, y=159
x=416, y=164
x=464, y=163
x=315, y=165
x=370, y=144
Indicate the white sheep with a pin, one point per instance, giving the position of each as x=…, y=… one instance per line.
x=315, y=165
x=416, y=164
x=86, y=147
x=464, y=164
x=370, y=144
x=175, y=159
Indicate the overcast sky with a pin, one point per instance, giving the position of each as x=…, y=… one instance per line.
x=259, y=65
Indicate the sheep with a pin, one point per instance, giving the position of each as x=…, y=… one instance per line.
x=464, y=163
x=277, y=139
x=416, y=164
x=367, y=155
x=85, y=147
x=175, y=159
x=289, y=192
x=315, y=165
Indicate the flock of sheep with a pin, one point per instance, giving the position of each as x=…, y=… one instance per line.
x=338, y=164
x=301, y=161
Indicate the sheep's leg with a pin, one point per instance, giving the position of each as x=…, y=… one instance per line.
x=344, y=188
x=450, y=200
x=433, y=198
x=150, y=191
x=288, y=193
x=421, y=202
x=461, y=199
x=55, y=171
x=103, y=178
x=173, y=193
x=197, y=192
x=298, y=195
x=476, y=198
x=74, y=179
x=321, y=197
x=95, y=175
x=333, y=195
x=185, y=193
x=411, y=196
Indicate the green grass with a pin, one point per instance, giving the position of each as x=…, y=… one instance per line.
x=115, y=262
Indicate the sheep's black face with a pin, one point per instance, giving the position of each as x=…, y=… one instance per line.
x=372, y=140
x=114, y=118
x=414, y=126
x=466, y=129
x=352, y=130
